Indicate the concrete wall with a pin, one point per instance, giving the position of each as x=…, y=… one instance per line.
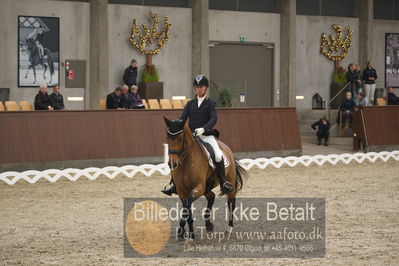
x=314, y=70
x=174, y=59
x=74, y=41
x=378, y=56
x=228, y=26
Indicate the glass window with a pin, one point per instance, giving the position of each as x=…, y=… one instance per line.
x=126, y=2
x=176, y=3
x=308, y=7
x=339, y=8
x=223, y=4
x=383, y=9
x=269, y=6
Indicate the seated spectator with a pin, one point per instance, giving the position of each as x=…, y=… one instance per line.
x=392, y=98
x=323, y=130
x=137, y=103
x=42, y=100
x=56, y=99
x=347, y=107
x=113, y=99
x=126, y=98
x=362, y=100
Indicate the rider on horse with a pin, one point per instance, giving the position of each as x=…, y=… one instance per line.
x=201, y=112
x=38, y=36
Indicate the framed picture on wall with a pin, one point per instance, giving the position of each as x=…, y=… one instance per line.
x=392, y=60
x=38, y=51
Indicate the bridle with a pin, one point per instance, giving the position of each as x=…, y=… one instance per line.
x=183, y=152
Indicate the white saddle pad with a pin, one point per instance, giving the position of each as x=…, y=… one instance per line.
x=208, y=155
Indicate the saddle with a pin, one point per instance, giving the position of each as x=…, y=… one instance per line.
x=210, y=154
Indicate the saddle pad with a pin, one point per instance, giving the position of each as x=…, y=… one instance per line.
x=210, y=161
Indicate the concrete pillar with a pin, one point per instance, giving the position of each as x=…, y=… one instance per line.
x=287, y=53
x=200, y=37
x=365, y=9
x=99, y=70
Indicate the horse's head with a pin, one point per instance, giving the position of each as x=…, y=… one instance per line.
x=176, y=141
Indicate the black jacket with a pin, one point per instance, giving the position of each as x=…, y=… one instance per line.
x=126, y=101
x=113, y=101
x=393, y=99
x=205, y=116
x=320, y=126
x=369, y=73
x=130, y=76
x=57, y=101
x=42, y=101
x=347, y=105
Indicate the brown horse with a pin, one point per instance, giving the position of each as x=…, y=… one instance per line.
x=194, y=177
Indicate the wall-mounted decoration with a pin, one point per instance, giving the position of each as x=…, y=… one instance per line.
x=336, y=48
x=38, y=51
x=392, y=60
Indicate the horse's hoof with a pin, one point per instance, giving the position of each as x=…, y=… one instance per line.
x=209, y=227
x=181, y=233
x=229, y=229
x=189, y=242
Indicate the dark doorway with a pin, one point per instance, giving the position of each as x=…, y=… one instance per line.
x=244, y=69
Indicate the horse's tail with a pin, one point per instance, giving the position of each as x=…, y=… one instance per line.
x=241, y=174
x=50, y=60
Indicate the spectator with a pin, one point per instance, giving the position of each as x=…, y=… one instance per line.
x=137, y=103
x=353, y=77
x=113, y=99
x=42, y=100
x=392, y=98
x=126, y=98
x=369, y=77
x=56, y=99
x=130, y=75
x=358, y=75
x=362, y=100
x=323, y=130
x=347, y=107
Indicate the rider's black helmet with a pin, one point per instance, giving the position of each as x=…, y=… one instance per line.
x=201, y=80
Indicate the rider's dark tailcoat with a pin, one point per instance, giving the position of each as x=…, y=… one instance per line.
x=205, y=116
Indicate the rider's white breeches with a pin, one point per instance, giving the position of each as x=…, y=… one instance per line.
x=212, y=141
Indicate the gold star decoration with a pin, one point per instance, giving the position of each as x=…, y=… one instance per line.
x=336, y=48
x=143, y=39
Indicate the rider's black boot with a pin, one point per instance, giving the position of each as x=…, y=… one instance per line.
x=170, y=190
x=225, y=187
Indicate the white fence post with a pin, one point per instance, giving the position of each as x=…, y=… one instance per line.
x=165, y=153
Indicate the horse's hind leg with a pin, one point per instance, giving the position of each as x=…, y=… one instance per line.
x=231, y=203
x=26, y=75
x=44, y=72
x=210, y=197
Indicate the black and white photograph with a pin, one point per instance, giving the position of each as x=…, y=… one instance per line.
x=392, y=60
x=38, y=51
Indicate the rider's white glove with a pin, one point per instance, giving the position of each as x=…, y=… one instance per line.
x=199, y=131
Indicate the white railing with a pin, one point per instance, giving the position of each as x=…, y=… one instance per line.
x=92, y=173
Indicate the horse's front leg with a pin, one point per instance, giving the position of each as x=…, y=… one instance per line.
x=210, y=197
x=34, y=74
x=187, y=216
x=44, y=72
x=26, y=75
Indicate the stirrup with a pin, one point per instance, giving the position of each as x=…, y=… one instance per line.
x=169, y=191
x=226, y=188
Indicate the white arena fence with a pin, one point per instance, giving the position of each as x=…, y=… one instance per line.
x=92, y=173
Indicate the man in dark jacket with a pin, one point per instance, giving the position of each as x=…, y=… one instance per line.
x=392, y=98
x=42, y=101
x=202, y=116
x=323, y=130
x=56, y=99
x=352, y=76
x=113, y=99
x=347, y=107
x=369, y=77
x=130, y=75
x=126, y=98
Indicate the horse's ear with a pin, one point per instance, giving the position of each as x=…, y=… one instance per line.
x=167, y=121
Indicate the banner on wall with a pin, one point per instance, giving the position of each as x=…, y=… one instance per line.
x=392, y=60
x=38, y=51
